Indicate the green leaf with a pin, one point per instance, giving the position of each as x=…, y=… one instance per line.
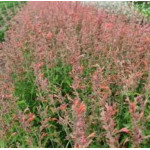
x=2, y=144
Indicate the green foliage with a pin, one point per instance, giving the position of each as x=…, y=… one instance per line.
x=2, y=144
x=59, y=77
x=144, y=8
x=2, y=33
x=25, y=90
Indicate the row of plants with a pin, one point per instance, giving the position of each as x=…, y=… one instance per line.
x=75, y=76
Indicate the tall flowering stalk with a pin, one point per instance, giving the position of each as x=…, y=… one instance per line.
x=79, y=126
x=109, y=124
x=137, y=118
x=100, y=87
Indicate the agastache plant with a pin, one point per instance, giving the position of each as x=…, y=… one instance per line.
x=74, y=75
